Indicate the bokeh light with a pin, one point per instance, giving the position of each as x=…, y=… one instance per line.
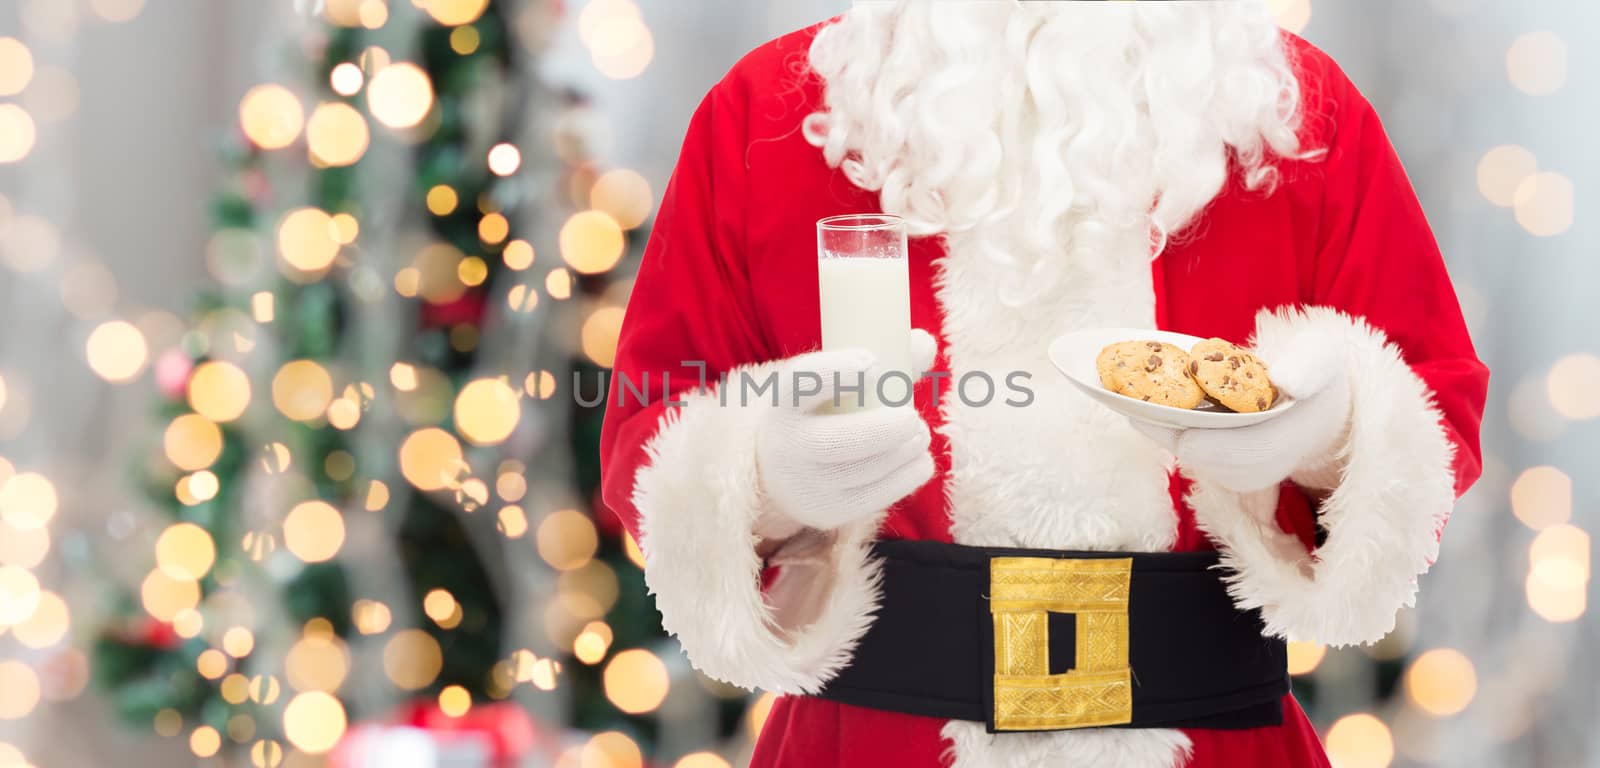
x=431, y=459
x=219, y=390
x=1502, y=170
x=1537, y=63
x=1292, y=15
x=314, y=722
x=314, y=531
x=1441, y=682
x=19, y=595
x=1304, y=657
x=117, y=351
x=566, y=539
x=192, y=442
x=412, y=659
x=302, y=390
x=400, y=95
x=271, y=116
x=624, y=195
x=16, y=66
x=185, y=551
x=1542, y=497
x=19, y=690
x=1544, y=204
x=47, y=625
x=27, y=501
x=504, y=159
x=487, y=411
x=307, y=241
x=611, y=749
x=346, y=79
x=17, y=133
x=591, y=242
x=455, y=12
x=601, y=330
x=1359, y=741
x=1574, y=386
x=454, y=701
x=336, y=134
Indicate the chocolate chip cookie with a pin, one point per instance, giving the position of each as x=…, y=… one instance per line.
x=1151, y=371
x=1232, y=376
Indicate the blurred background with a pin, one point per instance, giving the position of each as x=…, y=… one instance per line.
x=297, y=293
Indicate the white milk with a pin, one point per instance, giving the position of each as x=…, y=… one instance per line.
x=866, y=304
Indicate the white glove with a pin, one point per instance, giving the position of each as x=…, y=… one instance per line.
x=825, y=470
x=1303, y=444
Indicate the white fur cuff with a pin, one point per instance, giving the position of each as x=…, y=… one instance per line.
x=1383, y=514
x=700, y=506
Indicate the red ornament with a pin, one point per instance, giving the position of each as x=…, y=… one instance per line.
x=172, y=373
x=468, y=309
x=156, y=634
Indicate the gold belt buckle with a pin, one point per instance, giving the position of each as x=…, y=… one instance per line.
x=1098, y=690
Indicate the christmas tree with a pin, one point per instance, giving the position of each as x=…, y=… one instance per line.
x=350, y=435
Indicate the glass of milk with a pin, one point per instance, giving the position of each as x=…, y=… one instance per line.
x=866, y=302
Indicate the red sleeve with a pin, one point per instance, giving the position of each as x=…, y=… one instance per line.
x=691, y=302
x=1376, y=259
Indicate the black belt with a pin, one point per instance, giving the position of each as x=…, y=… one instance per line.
x=1039, y=640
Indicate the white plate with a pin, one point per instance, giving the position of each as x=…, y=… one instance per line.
x=1075, y=354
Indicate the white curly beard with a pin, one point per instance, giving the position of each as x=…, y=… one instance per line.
x=1056, y=126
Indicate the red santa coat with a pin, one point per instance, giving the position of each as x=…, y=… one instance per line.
x=1339, y=247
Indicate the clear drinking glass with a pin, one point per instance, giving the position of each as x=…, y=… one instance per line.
x=865, y=288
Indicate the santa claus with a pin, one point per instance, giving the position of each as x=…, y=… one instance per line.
x=1062, y=166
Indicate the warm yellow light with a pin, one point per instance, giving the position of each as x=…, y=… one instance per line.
x=205, y=741
x=558, y=283
x=164, y=596
x=211, y=664
x=314, y=531
x=439, y=604
x=566, y=539
x=412, y=659
x=23, y=547
x=199, y=487
x=19, y=690
x=1557, y=600
x=493, y=228
x=512, y=522
x=27, y=501
x=19, y=595
x=487, y=411
x=377, y=496
x=317, y=663
x=16, y=66
x=1537, y=63
x=620, y=44
x=302, y=390
x=592, y=643
x=431, y=459
x=1360, y=741
x=403, y=376
x=518, y=254
x=47, y=625
x=1544, y=204
x=1559, y=557
x=600, y=333
x=611, y=749
x=472, y=271
x=454, y=701
x=344, y=414
x=544, y=673
x=192, y=442
x=336, y=134
x=271, y=116
x=624, y=195
x=346, y=79
x=117, y=351
x=314, y=722
x=756, y=718
x=504, y=159
x=464, y=40
x=1441, y=682
x=442, y=200
x=400, y=95
x=262, y=306
x=266, y=753
x=373, y=14
x=1304, y=657
x=1573, y=386
x=188, y=623
x=17, y=133
x=1502, y=170
x=238, y=642
x=307, y=241
x=455, y=12
x=219, y=390
x=185, y=551
x=1292, y=15
x=370, y=616
x=275, y=458
x=591, y=242
x=701, y=760
x=1542, y=497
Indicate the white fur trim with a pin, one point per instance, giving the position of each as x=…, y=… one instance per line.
x=700, y=506
x=972, y=747
x=1382, y=517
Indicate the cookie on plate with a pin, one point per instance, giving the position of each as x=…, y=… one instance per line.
x=1151, y=371
x=1232, y=376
